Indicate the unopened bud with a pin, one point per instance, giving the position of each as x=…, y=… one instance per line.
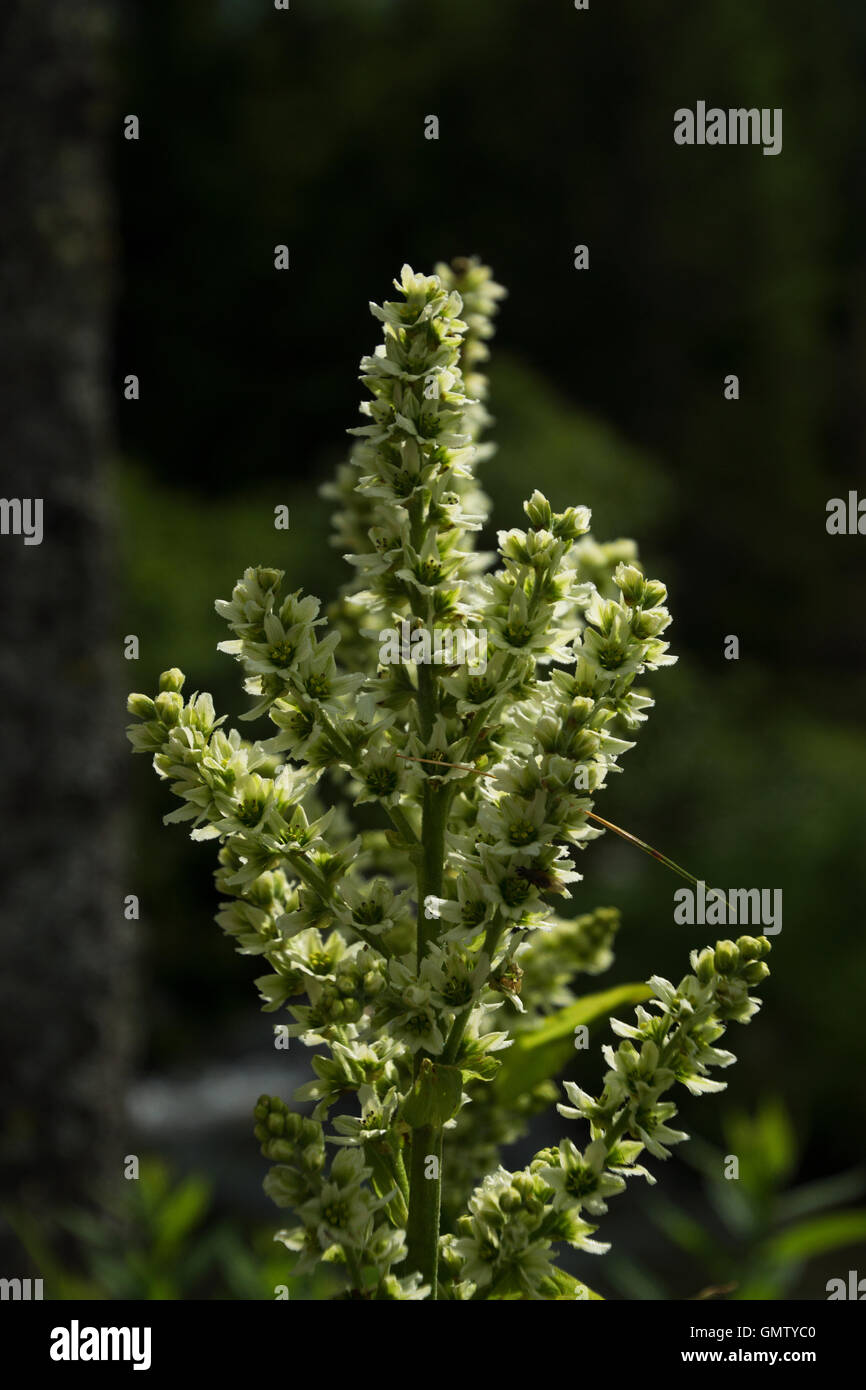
x=706, y=966
x=727, y=957
x=172, y=680
x=141, y=706
x=168, y=708
x=631, y=582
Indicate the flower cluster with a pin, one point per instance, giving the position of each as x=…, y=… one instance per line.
x=674, y=1044
x=340, y=1218
x=550, y=961
x=410, y=948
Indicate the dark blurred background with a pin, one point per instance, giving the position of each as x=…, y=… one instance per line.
x=156, y=257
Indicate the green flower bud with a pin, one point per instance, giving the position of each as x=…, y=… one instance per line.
x=539, y=511
x=649, y=623
x=172, y=681
x=279, y=1150
x=580, y=709
x=545, y=1158
x=706, y=965
x=753, y=947
x=309, y=1132
x=141, y=706
x=749, y=948
x=755, y=972
x=654, y=593
x=168, y=708
x=583, y=745
x=313, y=1158
x=572, y=523
x=631, y=582
x=727, y=957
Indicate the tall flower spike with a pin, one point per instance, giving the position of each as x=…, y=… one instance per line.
x=428, y=415
x=409, y=952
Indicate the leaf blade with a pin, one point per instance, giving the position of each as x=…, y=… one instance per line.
x=540, y=1053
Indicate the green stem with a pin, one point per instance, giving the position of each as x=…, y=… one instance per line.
x=312, y=876
x=400, y=821
x=432, y=860
x=353, y=1265
x=616, y=1130
x=425, y=1193
x=422, y=1232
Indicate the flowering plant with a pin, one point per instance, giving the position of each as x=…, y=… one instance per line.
x=420, y=953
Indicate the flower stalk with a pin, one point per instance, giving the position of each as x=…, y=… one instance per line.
x=411, y=953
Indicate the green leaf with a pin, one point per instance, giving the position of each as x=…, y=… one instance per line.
x=435, y=1096
x=825, y=1192
x=817, y=1235
x=766, y=1143
x=544, y=1051
x=474, y=1060
x=485, y=1068
x=680, y=1228
x=562, y=1287
x=180, y=1212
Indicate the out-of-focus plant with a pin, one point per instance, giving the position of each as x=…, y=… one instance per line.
x=767, y=1231
x=159, y=1241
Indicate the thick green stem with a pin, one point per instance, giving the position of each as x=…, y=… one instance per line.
x=432, y=860
x=425, y=1190
x=422, y=1233
x=425, y=1183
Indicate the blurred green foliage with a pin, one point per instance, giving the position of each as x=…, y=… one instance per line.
x=161, y=1241
x=766, y=1231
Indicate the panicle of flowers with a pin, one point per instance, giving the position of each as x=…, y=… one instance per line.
x=399, y=950
x=673, y=1041
x=341, y=1220
x=424, y=434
